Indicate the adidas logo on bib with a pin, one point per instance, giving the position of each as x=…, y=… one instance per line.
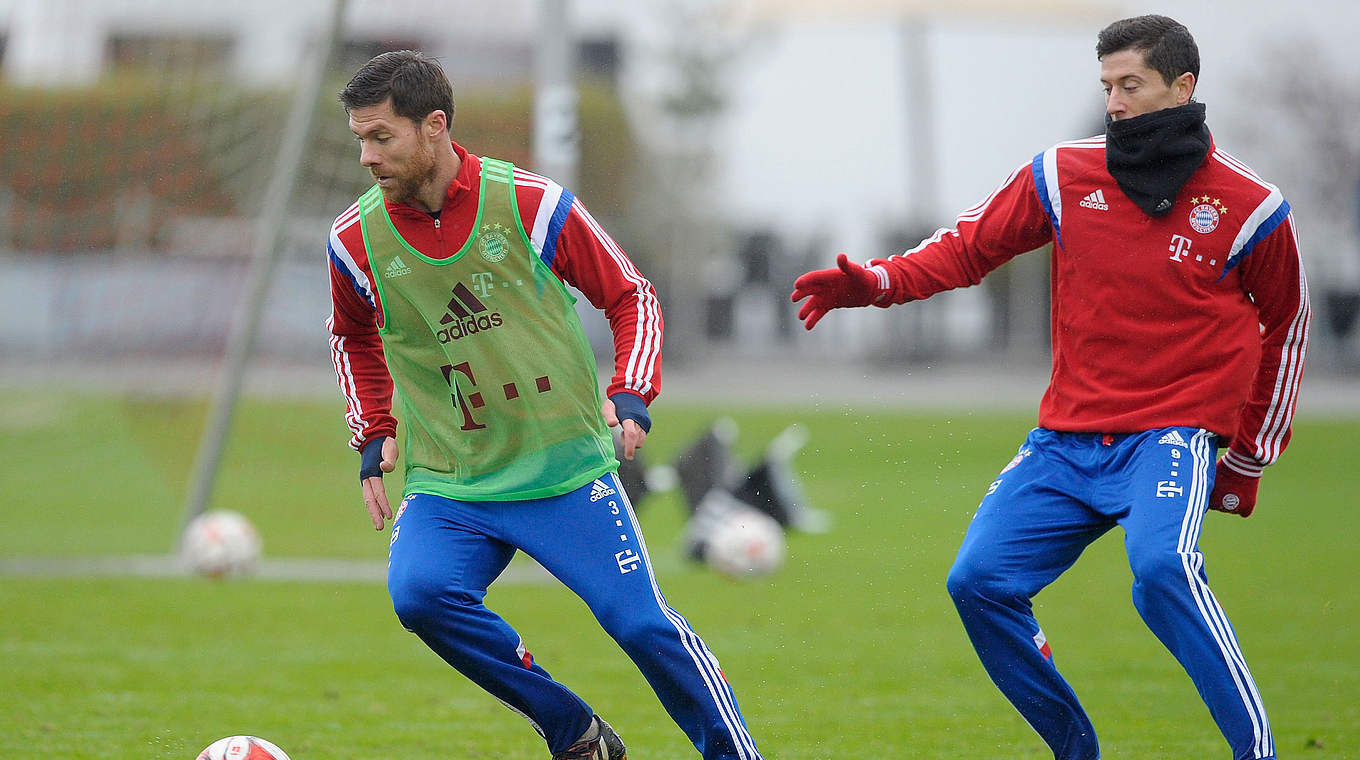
x=396, y=268
x=599, y=490
x=1173, y=439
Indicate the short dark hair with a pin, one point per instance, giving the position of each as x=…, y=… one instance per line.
x=1167, y=46
x=414, y=81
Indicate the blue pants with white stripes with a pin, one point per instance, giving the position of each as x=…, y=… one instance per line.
x=1061, y=492
x=445, y=553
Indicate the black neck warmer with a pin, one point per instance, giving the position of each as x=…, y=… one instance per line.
x=1151, y=156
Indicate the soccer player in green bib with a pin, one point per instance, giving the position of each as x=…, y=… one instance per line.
x=450, y=311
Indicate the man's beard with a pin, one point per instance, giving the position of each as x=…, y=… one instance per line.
x=408, y=184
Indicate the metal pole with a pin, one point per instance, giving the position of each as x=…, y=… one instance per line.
x=922, y=153
x=556, y=144
x=264, y=257
x=924, y=337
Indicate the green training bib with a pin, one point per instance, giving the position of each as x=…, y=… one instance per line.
x=495, y=381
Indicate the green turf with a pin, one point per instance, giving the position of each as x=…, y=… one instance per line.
x=852, y=650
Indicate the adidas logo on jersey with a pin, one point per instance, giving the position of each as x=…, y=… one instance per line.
x=396, y=268
x=1173, y=439
x=598, y=490
x=466, y=315
x=1096, y=201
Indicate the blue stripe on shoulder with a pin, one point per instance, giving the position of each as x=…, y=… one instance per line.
x=555, y=225
x=1041, y=189
x=344, y=270
x=1264, y=229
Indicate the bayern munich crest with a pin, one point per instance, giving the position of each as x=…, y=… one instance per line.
x=1205, y=214
x=492, y=244
x=1020, y=457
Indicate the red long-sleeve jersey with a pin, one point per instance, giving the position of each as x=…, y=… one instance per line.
x=1196, y=318
x=568, y=239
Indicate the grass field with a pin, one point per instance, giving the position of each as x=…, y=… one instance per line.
x=853, y=650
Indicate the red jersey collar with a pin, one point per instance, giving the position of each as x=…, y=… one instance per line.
x=467, y=181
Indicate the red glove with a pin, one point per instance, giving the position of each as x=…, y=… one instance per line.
x=849, y=284
x=1233, y=492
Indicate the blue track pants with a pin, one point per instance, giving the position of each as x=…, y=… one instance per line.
x=1060, y=493
x=445, y=553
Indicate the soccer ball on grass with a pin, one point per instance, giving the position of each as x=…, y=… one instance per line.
x=242, y=748
x=220, y=543
x=744, y=543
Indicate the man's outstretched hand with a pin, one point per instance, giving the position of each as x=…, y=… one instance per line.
x=849, y=284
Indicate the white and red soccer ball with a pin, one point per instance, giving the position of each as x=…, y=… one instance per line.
x=744, y=543
x=242, y=748
x=220, y=543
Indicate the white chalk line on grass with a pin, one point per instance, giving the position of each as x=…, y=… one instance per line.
x=523, y=571
x=270, y=569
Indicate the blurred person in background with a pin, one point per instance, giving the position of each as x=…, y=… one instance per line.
x=1179, y=325
x=448, y=285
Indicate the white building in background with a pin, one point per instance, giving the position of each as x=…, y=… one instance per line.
x=853, y=125
x=842, y=106
x=847, y=126
x=68, y=42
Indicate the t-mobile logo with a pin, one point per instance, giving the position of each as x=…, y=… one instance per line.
x=1180, y=250
x=628, y=561
x=1180, y=245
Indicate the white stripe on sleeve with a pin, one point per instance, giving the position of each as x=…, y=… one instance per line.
x=646, y=348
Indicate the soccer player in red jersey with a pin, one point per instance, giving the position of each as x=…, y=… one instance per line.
x=1179, y=326
x=449, y=287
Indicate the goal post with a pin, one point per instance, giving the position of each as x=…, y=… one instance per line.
x=264, y=256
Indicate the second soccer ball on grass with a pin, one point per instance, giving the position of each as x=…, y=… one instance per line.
x=745, y=543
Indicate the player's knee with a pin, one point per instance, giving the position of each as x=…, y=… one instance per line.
x=967, y=581
x=1157, y=573
x=419, y=598
x=971, y=580
x=628, y=625
x=413, y=601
